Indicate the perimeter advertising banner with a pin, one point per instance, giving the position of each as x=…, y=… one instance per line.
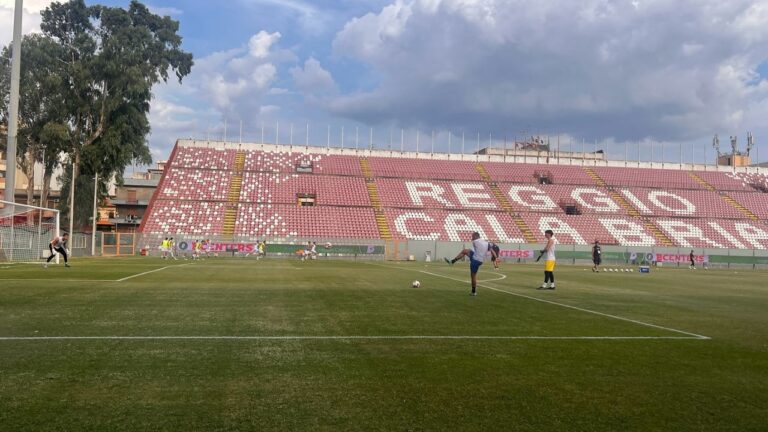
x=245, y=248
x=517, y=254
x=680, y=258
x=219, y=247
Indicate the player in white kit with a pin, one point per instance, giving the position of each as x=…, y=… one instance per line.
x=480, y=249
x=549, y=261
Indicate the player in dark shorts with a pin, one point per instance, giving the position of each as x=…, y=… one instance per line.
x=692, y=257
x=597, y=256
x=496, y=255
x=58, y=245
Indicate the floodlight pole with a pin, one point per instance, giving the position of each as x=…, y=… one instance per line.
x=95, y=203
x=13, y=109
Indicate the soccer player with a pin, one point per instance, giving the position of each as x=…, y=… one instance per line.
x=305, y=253
x=164, y=248
x=496, y=255
x=172, y=248
x=597, y=256
x=58, y=245
x=480, y=249
x=313, y=250
x=693, y=261
x=194, y=250
x=207, y=248
x=549, y=261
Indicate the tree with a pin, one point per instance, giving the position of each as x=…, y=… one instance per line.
x=112, y=59
x=40, y=104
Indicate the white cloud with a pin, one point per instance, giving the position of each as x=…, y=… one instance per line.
x=260, y=43
x=311, y=18
x=229, y=85
x=312, y=78
x=30, y=21
x=165, y=10
x=235, y=82
x=670, y=69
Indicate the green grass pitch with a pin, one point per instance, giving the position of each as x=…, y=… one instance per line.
x=227, y=344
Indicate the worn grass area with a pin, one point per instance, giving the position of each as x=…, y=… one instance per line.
x=582, y=371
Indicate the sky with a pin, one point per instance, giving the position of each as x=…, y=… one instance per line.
x=639, y=79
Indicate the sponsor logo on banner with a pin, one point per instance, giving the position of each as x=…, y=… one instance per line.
x=221, y=247
x=681, y=258
x=515, y=253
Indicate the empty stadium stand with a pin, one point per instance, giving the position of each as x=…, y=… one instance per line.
x=249, y=191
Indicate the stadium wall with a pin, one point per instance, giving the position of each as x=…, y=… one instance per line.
x=612, y=255
x=403, y=250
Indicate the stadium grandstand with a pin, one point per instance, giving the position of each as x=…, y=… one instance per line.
x=247, y=192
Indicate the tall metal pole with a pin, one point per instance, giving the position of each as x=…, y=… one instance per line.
x=72, y=199
x=95, y=203
x=417, y=141
x=13, y=109
x=626, y=151
x=433, y=142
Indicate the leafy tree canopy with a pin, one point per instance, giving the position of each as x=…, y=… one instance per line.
x=88, y=85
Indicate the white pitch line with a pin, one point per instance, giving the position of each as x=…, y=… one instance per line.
x=694, y=335
x=288, y=338
x=59, y=280
x=148, y=272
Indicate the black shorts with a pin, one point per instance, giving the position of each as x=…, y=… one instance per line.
x=497, y=256
x=597, y=261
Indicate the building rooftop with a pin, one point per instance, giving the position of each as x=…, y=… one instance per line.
x=132, y=182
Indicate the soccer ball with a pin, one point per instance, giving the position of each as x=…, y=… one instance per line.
x=631, y=270
x=415, y=284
